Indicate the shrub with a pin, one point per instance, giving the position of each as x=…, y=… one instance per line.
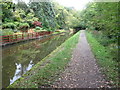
x=50, y=29
x=23, y=26
x=38, y=28
x=16, y=23
x=9, y=25
x=7, y=32
x=30, y=22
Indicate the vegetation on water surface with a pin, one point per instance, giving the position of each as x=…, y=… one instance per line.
x=47, y=70
x=105, y=59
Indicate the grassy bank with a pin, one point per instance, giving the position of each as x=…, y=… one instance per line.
x=47, y=70
x=104, y=59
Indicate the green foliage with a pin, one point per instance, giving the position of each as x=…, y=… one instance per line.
x=7, y=32
x=7, y=8
x=30, y=18
x=54, y=16
x=72, y=17
x=23, y=26
x=66, y=17
x=16, y=24
x=51, y=14
x=9, y=25
x=22, y=5
x=104, y=59
x=19, y=15
x=97, y=17
x=45, y=12
x=38, y=28
x=15, y=14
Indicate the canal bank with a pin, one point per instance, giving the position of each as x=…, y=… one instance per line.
x=48, y=69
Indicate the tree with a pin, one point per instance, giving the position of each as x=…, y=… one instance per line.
x=97, y=17
x=7, y=9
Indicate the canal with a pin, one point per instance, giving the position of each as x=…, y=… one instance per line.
x=19, y=58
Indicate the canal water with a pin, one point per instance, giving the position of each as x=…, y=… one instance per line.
x=19, y=58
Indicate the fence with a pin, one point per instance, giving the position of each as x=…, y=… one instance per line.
x=20, y=37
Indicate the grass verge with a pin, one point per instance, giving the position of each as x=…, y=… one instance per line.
x=46, y=71
x=104, y=59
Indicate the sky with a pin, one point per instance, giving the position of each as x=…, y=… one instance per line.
x=77, y=4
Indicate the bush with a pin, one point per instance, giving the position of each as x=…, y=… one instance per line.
x=50, y=29
x=16, y=23
x=23, y=26
x=30, y=22
x=9, y=25
x=38, y=28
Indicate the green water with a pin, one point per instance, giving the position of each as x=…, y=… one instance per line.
x=19, y=58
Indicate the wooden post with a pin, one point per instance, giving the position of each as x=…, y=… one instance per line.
x=28, y=35
x=32, y=35
x=11, y=38
x=8, y=38
x=22, y=36
x=36, y=34
x=16, y=37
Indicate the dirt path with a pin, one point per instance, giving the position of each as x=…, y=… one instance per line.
x=82, y=71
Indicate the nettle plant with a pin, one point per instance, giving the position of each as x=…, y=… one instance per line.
x=37, y=23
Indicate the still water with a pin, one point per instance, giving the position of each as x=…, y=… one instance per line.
x=19, y=58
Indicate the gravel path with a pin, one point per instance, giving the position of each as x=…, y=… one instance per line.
x=82, y=71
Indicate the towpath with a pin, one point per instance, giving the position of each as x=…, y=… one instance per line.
x=82, y=71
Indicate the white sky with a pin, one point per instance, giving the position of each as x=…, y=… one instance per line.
x=77, y=4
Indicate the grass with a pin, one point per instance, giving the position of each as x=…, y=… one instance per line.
x=46, y=71
x=104, y=59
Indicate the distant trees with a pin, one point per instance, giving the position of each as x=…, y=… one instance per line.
x=52, y=15
x=102, y=16
x=7, y=9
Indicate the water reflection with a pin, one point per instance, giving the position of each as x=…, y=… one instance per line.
x=29, y=66
x=17, y=73
x=20, y=71
x=18, y=59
